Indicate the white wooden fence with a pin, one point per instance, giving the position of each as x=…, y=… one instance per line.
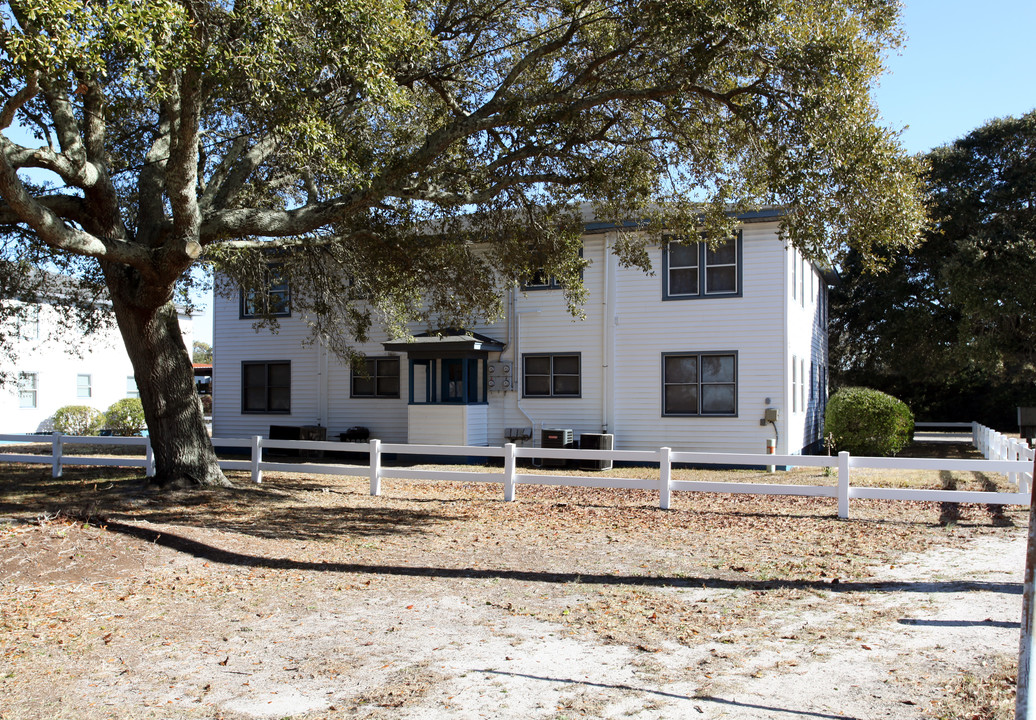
x=1005, y=456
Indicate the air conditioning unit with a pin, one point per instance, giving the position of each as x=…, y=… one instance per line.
x=596, y=441
x=556, y=438
x=500, y=376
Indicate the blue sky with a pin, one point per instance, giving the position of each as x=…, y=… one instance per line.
x=963, y=63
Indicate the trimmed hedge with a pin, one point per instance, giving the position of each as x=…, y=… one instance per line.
x=863, y=421
x=125, y=417
x=78, y=420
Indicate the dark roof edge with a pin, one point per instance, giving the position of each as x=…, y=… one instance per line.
x=766, y=214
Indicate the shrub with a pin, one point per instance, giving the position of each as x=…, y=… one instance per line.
x=125, y=417
x=868, y=422
x=78, y=420
x=206, y=404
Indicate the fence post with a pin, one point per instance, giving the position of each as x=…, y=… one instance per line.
x=257, y=459
x=509, y=472
x=56, y=450
x=149, y=458
x=665, y=476
x=375, y=467
x=843, y=485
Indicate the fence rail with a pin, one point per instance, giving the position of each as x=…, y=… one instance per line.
x=1003, y=455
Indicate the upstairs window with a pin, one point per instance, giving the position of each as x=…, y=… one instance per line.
x=376, y=378
x=132, y=391
x=551, y=375
x=266, y=387
x=84, y=386
x=273, y=300
x=698, y=270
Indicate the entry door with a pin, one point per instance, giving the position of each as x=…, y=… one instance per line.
x=453, y=381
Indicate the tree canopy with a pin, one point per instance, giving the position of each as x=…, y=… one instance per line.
x=362, y=145
x=958, y=311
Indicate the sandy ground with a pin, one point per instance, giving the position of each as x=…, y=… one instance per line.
x=414, y=648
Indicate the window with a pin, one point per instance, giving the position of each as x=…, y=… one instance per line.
x=553, y=375
x=794, y=383
x=698, y=270
x=540, y=280
x=131, y=387
x=274, y=299
x=28, y=386
x=83, y=386
x=699, y=383
x=266, y=387
x=802, y=384
x=376, y=378
x=29, y=323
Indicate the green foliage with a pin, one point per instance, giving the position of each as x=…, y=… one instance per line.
x=202, y=352
x=125, y=417
x=206, y=404
x=868, y=422
x=951, y=325
x=78, y=420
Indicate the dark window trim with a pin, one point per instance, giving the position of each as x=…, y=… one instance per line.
x=243, y=313
x=702, y=293
x=552, y=282
x=267, y=363
x=699, y=355
x=374, y=394
x=552, y=355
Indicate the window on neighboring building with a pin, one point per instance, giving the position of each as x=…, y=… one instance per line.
x=131, y=387
x=698, y=270
x=84, y=388
x=29, y=322
x=274, y=299
x=699, y=383
x=266, y=387
x=551, y=375
x=376, y=377
x=28, y=387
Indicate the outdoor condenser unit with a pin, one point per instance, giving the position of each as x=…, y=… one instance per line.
x=556, y=438
x=596, y=441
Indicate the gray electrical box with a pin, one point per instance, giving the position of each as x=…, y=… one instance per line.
x=771, y=415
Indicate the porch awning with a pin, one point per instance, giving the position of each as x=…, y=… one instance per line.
x=449, y=341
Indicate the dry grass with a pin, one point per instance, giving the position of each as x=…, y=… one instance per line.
x=89, y=561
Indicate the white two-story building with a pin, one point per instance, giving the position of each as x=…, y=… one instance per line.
x=55, y=365
x=721, y=349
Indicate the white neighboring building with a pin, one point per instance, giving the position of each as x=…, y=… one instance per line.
x=691, y=357
x=56, y=367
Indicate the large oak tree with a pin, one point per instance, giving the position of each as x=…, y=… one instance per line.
x=361, y=147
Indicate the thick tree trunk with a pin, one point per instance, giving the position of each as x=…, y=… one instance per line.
x=184, y=456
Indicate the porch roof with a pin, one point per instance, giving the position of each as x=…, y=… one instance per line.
x=446, y=341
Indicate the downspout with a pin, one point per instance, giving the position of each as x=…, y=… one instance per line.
x=323, y=382
x=517, y=357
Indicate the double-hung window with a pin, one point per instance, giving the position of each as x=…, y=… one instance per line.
x=551, y=375
x=273, y=299
x=699, y=270
x=266, y=387
x=132, y=391
x=376, y=378
x=699, y=383
x=84, y=386
x=28, y=387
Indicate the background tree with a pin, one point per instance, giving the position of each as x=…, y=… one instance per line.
x=359, y=147
x=202, y=352
x=951, y=326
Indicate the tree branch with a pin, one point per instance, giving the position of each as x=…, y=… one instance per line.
x=21, y=97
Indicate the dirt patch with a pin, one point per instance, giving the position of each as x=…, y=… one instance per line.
x=307, y=598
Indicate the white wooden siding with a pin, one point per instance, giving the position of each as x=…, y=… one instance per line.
x=620, y=340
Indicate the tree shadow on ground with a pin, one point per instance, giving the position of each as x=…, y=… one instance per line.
x=264, y=511
x=212, y=553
